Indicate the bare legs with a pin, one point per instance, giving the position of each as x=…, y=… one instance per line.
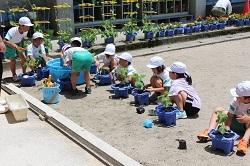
x=179, y=100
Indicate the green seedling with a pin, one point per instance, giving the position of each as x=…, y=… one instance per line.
x=221, y=119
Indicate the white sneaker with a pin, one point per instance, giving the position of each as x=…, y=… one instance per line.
x=181, y=115
x=15, y=78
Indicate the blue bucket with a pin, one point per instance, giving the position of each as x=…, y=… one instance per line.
x=51, y=94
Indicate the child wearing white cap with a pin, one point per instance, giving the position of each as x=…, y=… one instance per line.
x=108, y=57
x=79, y=59
x=14, y=41
x=125, y=61
x=182, y=92
x=160, y=81
x=36, y=50
x=238, y=116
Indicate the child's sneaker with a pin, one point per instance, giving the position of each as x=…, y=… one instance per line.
x=152, y=112
x=204, y=136
x=181, y=115
x=88, y=90
x=15, y=78
x=242, y=146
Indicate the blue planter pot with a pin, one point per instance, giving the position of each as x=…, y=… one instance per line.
x=93, y=69
x=246, y=22
x=141, y=96
x=160, y=34
x=224, y=142
x=169, y=32
x=212, y=27
x=221, y=25
x=104, y=79
x=9, y=16
x=229, y=22
x=204, y=27
x=178, y=31
x=148, y=35
x=121, y=90
x=131, y=36
x=86, y=44
x=167, y=115
x=27, y=79
x=42, y=72
x=65, y=84
x=239, y=22
x=188, y=30
x=196, y=29
x=110, y=40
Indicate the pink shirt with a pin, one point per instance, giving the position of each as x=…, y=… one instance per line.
x=182, y=85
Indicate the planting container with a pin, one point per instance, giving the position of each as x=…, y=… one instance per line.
x=27, y=79
x=121, y=90
x=65, y=84
x=168, y=117
x=104, y=79
x=224, y=142
x=141, y=98
x=18, y=105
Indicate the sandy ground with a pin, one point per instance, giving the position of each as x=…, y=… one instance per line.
x=214, y=69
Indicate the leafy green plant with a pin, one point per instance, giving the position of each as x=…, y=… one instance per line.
x=104, y=70
x=138, y=80
x=166, y=101
x=190, y=25
x=221, y=119
x=123, y=74
x=109, y=29
x=31, y=63
x=148, y=26
x=89, y=35
x=26, y=42
x=160, y=27
x=47, y=42
x=178, y=24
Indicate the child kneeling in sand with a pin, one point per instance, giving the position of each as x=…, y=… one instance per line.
x=160, y=81
x=125, y=61
x=238, y=119
x=36, y=50
x=108, y=57
x=182, y=92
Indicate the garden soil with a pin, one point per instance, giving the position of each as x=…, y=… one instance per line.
x=215, y=69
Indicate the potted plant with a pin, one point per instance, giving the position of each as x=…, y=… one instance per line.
x=188, y=28
x=130, y=28
x=103, y=75
x=121, y=89
x=230, y=20
x=140, y=96
x=239, y=19
x=221, y=137
x=165, y=112
x=212, y=22
x=28, y=79
x=221, y=22
x=148, y=28
x=160, y=30
x=109, y=31
x=169, y=30
x=247, y=17
x=197, y=26
x=178, y=28
x=88, y=36
x=204, y=26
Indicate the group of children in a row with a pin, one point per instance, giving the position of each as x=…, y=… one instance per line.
x=174, y=79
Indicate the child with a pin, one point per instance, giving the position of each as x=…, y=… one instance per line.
x=108, y=57
x=182, y=92
x=14, y=41
x=160, y=81
x=79, y=59
x=125, y=61
x=238, y=119
x=64, y=48
x=36, y=50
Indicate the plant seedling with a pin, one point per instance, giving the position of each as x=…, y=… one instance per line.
x=123, y=74
x=166, y=101
x=138, y=80
x=104, y=70
x=221, y=119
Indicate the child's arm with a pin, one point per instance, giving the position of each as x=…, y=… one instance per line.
x=97, y=63
x=244, y=118
x=229, y=120
x=45, y=58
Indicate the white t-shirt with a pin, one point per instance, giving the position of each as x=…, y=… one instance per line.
x=131, y=69
x=14, y=36
x=226, y=4
x=102, y=56
x=181, y=84
x=35, y=51
x=238, y=108
x=69, y=52
x=165, y=77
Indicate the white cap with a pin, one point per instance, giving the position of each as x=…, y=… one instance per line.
x=155, y=62
x=126, y=56
x=110, y=49
x=37, y=35
x=242, y=89
x=76, y=39
x=177, y=67
x=25, y=21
